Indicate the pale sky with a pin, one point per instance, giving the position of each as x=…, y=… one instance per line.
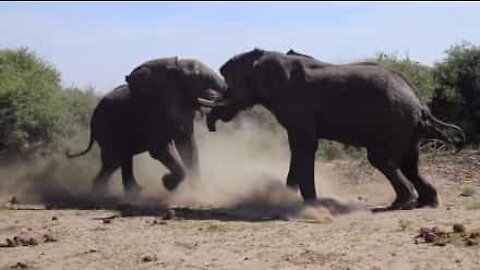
x=98, y=43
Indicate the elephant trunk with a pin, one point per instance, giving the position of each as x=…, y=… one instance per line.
x=212, y=118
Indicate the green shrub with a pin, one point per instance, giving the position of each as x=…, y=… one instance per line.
x=32, y=111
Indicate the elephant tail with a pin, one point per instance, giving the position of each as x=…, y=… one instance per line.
x=434, y=128
x=90, y=144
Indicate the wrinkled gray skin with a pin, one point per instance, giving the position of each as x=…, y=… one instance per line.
x=360, y=104
x=152, y=112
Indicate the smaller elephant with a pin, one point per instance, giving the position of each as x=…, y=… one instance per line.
x=153, y=112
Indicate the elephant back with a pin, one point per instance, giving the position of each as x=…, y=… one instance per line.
x=151, y=76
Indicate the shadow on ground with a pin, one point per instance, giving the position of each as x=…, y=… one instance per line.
x=253, y=210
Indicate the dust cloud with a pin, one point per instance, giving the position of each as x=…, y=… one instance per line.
x=243, y=170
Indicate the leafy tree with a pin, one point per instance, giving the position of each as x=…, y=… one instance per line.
x=457, y=92
x=31, y=107
x=81, y=104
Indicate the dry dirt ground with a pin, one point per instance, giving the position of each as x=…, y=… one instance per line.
x=274, y=231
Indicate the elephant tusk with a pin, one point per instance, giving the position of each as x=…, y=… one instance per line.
x=211, y=103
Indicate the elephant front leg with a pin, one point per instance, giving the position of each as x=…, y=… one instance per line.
x=187, y=148
x=291, y=177
x=302, y=164
x=167, y=158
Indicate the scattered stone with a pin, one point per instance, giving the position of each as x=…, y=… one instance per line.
x=149, y=258
x=475, y=235
x=31, y=242
x=471, y=242
x=169, y=215
x=47, y=238
x=107, y=221
x=18, y=241
x=437, y=237
x=159, y=222
x=92, y=250
x=19, y=265
x=459, y=228
x=54, y=218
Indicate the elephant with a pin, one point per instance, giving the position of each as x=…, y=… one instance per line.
x=153, y=112
x=360, y=104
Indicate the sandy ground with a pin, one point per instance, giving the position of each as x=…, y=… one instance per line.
x=264, y=233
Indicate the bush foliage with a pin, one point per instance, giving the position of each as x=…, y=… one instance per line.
x=35, y=111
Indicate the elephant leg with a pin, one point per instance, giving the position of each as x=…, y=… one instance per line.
x=302, y=166
x=167, y=158
x=128, y=179
x=404, y=190
x=110, y=163
x=291, y=177
x=427, y=194
x=100, y=181
x=187, y=149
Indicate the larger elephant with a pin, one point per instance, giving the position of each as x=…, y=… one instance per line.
x=360, y=104
x=154, y=112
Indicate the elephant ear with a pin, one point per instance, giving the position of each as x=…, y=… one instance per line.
x=270, y=73
x=298, y=74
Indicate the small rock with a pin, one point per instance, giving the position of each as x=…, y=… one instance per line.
x=92, y=250
x=54, y=218
x=32, y=242
x=430, y=237
x=149, y=258
x=19, y=265
x=471, y=242
x=459, y=228
x=246, y=258
x=47, y=238
x=11, y=243
x=159, y=222
x=474, y=235
x=170, y=214
x=107, y=221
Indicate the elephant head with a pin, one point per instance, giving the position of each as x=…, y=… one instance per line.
x=255, y=77
x=176, y=81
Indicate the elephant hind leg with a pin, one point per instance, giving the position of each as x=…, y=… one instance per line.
x=177, y=173
x=405, y=195
x=128, y=179
x=101, y=180
x=427, y=194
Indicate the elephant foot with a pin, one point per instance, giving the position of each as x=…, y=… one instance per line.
x=133, y=191
x=170, y=181
x=398, y=205
x=99, y=189
x=405, y=204
x=431, y=202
